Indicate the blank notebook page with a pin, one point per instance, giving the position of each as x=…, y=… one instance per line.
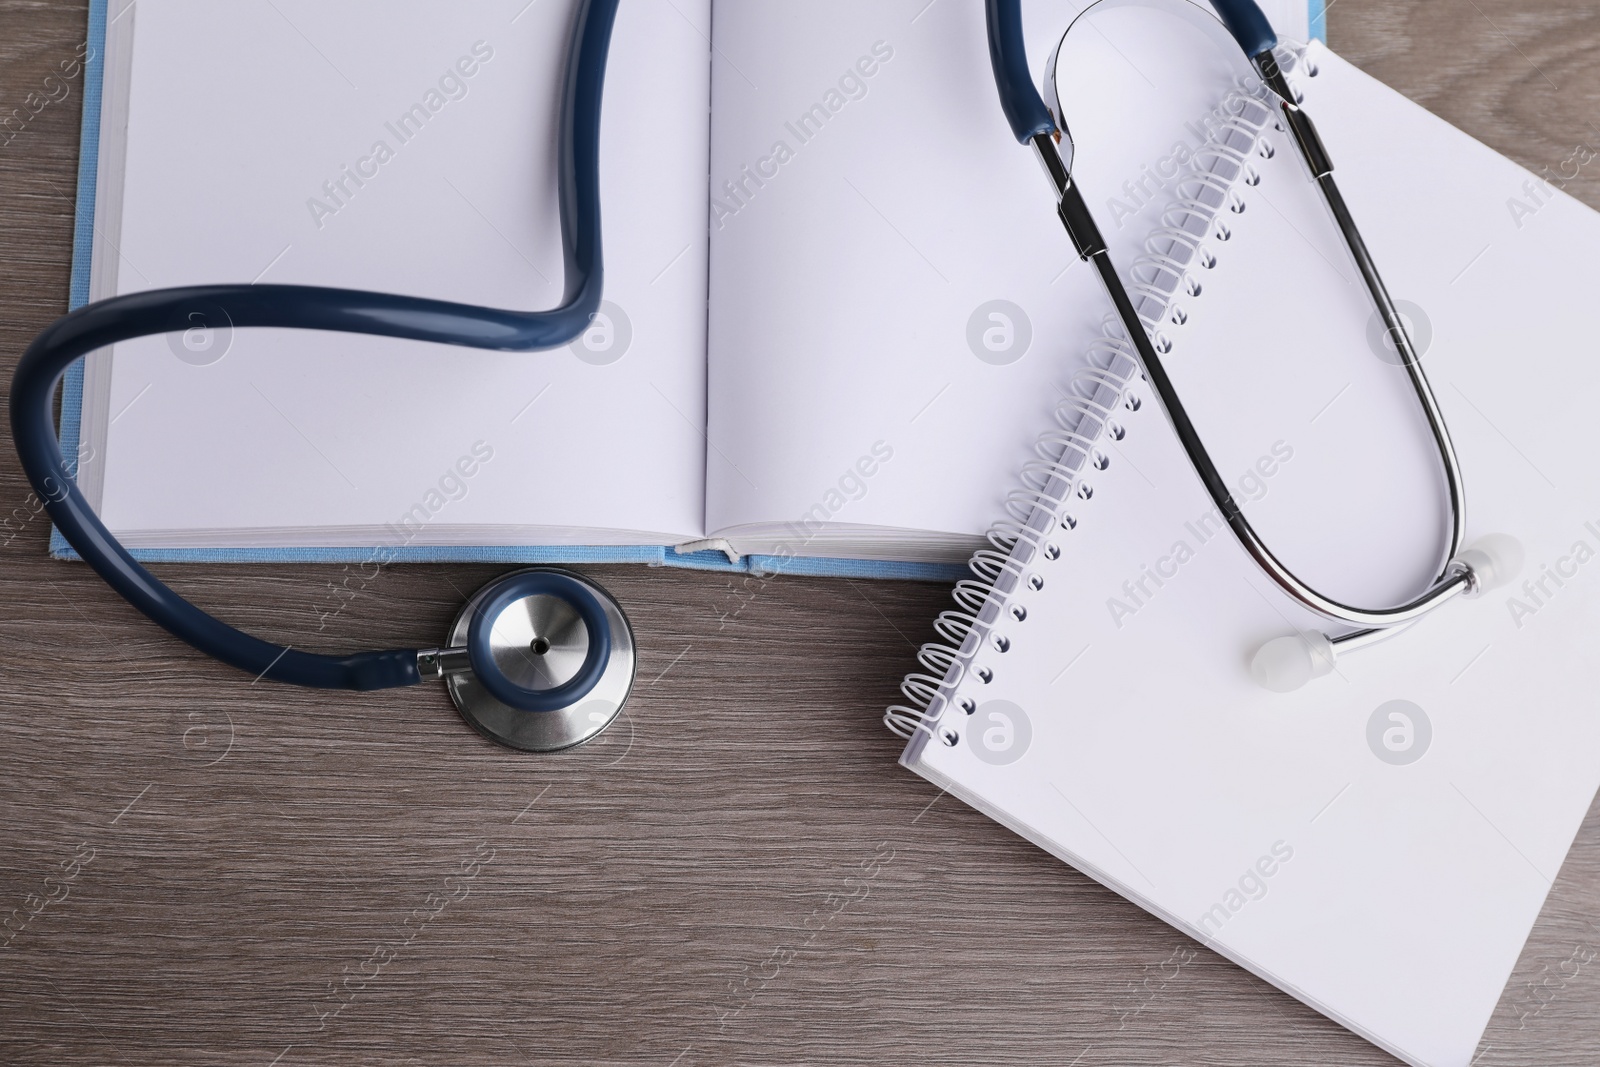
x=1386, y=871
x=329, y=431
x=871, y=212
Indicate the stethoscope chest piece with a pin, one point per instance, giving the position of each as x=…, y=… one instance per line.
x=540, y=660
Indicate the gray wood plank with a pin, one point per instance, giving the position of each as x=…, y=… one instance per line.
x=737, y=873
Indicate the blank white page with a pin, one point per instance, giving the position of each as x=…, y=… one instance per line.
x=895, y=204
x=1290, y=18
x=1386, y=871
x=869, y=209
x=239, y=115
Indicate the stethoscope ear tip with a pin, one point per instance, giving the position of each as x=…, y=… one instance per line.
x=1495, y=560
x=1284, y=664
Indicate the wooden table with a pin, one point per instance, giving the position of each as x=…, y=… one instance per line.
x=736, y=873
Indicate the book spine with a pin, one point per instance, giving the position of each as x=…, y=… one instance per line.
x=1099, y=401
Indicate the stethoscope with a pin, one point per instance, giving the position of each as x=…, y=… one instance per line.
x=542, y=659
x=1285, y=663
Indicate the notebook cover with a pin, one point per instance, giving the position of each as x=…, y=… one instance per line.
x=1379, y=843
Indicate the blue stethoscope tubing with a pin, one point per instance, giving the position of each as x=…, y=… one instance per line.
x=124, y=318
x=1025, y=108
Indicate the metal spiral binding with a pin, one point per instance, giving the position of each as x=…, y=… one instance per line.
x=1097, y=395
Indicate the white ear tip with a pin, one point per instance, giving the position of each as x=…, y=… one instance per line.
x=1284, y=664
x=1495, y=560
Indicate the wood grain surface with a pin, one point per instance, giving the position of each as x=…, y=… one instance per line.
x=229, y=873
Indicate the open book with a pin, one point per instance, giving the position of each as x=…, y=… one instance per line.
x=836, y=293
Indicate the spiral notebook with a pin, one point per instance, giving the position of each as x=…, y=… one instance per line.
x=786, y=329
x=1378, y=844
